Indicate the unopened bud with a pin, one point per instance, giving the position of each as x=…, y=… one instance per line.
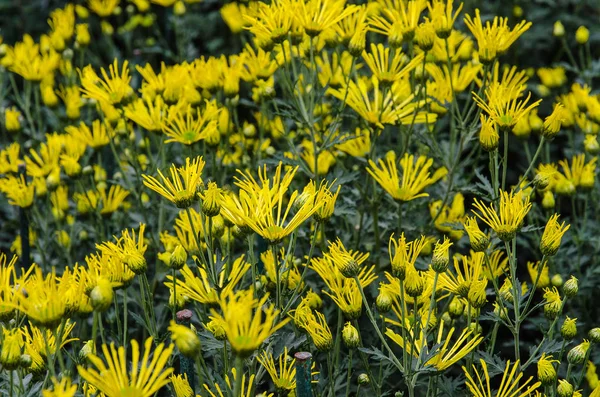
x=350, y=336
x=571, y=287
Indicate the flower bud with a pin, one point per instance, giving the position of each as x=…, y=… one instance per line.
x=102, y=295
x=456, y=307
x=571, y=287
x=559, y=29
x=350, y=336
x=211, y=200
x=553, y=303
x=179, y=8
x=185, y=339
x=591, y=144
x=479, y=240
x=10, y=351
x=414, y=283
x=577, y=354
x=552, y=123
x=548, y=201
x=582, y=35
x=384, y=301
x=475, y=328
x=441, y=256
x=564, y=389
x=178, y=257
x=363, y=379
x=569, y=328
x=556, y=280
x=446, y=318
x=594, y=335
x=86, y=349
x=545, y=370
x=477, y=296
x=489, y=139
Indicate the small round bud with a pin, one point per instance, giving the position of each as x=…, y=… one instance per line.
x=477, y=295
x=569, y=328
x=571, y=287
x=582, y=35
x=102, y=295
x=446, y=318
x=178, y=257
x=350, y=336
x=456, y=307
x=576, y=355
x=475, y=328
x=384, y=302
x=363, y=379
x=557, y=280
x=559, y=29
x=185, y=339
x=179, y=8
x=564, y=389
x=594, y=335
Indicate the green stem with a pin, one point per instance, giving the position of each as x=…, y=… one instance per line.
x=349, y=374
x=374, y=323
x=239, y=367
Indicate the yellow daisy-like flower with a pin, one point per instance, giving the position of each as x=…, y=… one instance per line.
x=96, y=137
x=62, y=388
x=283, y=375
x=45, y=302
x=114, y=377
x=18, y=192
x=262, y=205
x=552, y=236
x=181, y=189
x=415, y=176
x=504, y=105
x=181, y=386
x=316, y=16
x=314, y=324
x=389, y=69
x=188, y=126
x=494, y=38
x=247, y=321
x=508, y=219
x=103, y=8
x=510, y=386
x=112, y=89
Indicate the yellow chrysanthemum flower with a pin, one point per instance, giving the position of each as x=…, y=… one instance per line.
x=496, y=37
x=111, y=89
x=262, y=205
x=247, y=321
x=415, y=176
x=62, y=388
x=508, y=218
x=114, y=377
x=283, y=375
x=552, y=236
x=510, y=386
x=182, y=188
